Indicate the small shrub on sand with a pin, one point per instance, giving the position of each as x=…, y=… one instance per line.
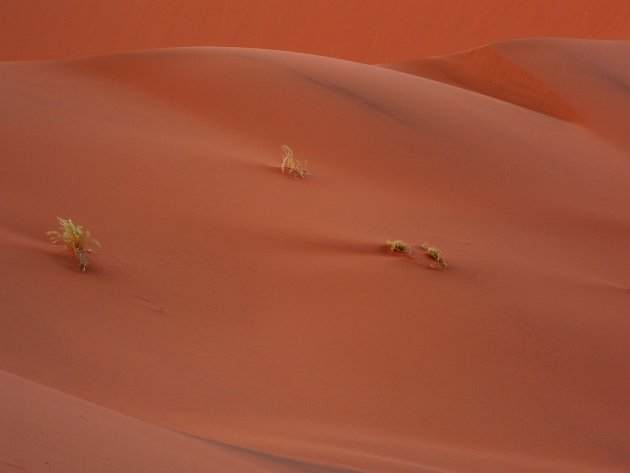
x=399, y=246
x=75, y=239
x=295, y=168
x=403, y=248
x=436, y=255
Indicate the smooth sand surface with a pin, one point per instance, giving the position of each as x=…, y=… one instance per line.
x=51, y=431
x=236, y=320
x=370, y=31
x=232, y=303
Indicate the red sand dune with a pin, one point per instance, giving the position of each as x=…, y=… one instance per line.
x=570, y=79
x=231, y=303
x=369, y=31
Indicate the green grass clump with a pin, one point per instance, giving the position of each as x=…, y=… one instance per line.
x=75, y=239
x=399, y=246
x=436, y=255
x=295, y=168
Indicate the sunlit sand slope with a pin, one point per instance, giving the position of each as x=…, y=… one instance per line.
x=231, y=303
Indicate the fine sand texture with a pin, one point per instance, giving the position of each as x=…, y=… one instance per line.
x=370, y=31
x=236, y=320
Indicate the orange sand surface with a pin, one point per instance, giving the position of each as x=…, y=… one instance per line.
x=369, y=31
x=236, y=320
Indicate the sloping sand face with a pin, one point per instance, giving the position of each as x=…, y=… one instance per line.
x=370, y=31
x=51, y=431
x=231, y=303
x=569, y=79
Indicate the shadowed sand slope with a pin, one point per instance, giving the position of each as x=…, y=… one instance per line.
x=232, y=303
x=581, y=81
x=369, y=31
x=486, y=71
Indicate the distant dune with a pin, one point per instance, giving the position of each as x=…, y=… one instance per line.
x=236, y=320
x=370, y=31
x=571, y=80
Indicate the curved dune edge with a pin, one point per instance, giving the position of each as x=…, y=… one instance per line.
x=55, y=432
x=52, y=431
x=229, y=302
x=570, y=79
x=488, y=72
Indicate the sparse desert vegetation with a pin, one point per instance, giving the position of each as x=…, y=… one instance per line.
x=435, y=254
x=399, y=246
x=75, y=239
x=296, y=169
x=404, y=248
x=235, y=322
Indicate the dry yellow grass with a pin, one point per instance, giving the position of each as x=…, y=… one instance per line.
x=404, y=248
x=436, y=255
x=399, y=246
x=75, y=239
x=295, y=169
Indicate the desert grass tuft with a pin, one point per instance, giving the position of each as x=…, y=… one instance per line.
x=399, y=246
x=75, y=239
x=295, y=169
x=436, y=255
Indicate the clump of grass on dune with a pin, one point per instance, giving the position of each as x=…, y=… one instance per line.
x=399, y=246
x=75, y=238
x=295, y=169
x=436, y=255
x=403, y=248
